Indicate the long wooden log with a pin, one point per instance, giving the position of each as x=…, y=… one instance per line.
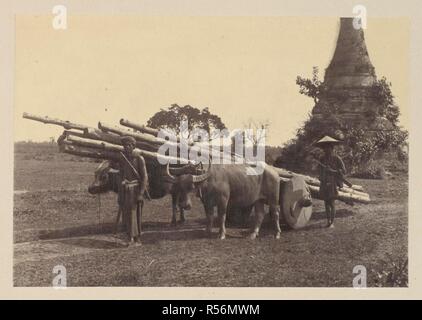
x=126, y=132
x=47, y=120
x=90, y=132
x=194, y=149
x=154, y=132
x=310, y=180
x=99, y=135
x=348, y=197
x=88, y=152
x=173, y=138
x=147, y=130
x=139, y=137
x=110, y=135
x=101, y=145
x=69, y=147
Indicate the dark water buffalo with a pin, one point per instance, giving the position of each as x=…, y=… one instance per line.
x=107, y=178
x=230, y=185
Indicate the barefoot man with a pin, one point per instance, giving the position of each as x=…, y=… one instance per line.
x=131, y=192
x=331, y=171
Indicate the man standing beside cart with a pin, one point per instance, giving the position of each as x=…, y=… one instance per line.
x=331, y=176
x=131, y=191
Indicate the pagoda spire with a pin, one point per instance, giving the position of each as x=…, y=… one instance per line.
x=350, y=65
x=348, y=81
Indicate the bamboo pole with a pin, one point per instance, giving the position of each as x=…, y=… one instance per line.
x=47, y=120
x=310, y=180
x=87, y=152
x=70, y=147
x=152, y=141
x=194, y=149
x=126, y=132
x=99, y=135
x=106, y=146
x=147, y=130
x=348, y=197
x=155, y=133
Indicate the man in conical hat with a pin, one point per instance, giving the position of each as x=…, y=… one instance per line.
x=331, y=169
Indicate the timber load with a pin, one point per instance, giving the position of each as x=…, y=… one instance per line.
x=104, y=142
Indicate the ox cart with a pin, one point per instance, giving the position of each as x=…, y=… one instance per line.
x=296, y=191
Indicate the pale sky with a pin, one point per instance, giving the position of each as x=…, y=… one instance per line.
x=103, y=68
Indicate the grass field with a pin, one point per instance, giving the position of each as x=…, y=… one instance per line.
x=57, y=222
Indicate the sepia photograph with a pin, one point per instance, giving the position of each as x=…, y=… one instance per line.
x=211, y=151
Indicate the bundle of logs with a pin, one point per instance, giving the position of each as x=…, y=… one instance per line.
x=104, y=142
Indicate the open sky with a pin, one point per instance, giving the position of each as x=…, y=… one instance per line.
x=103, y=68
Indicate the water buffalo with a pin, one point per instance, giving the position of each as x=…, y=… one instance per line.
x=230, y=185
x=107, y=178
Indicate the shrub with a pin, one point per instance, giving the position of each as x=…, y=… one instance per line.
x=391, y=273
x=372, y=170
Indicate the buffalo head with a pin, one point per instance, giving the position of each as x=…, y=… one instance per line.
x=186, y=183
x=106, y=179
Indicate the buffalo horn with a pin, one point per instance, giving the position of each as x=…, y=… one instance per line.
x=168, y=174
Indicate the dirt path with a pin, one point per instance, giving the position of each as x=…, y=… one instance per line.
x=72, y=246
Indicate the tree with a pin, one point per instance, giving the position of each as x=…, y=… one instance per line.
x=256, y=131
x=251, y=137
x=385, y=100
x=171, y=118
x=312, y=88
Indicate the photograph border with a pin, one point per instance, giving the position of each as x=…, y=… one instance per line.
x=379, y=8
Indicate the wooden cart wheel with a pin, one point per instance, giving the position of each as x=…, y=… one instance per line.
x=296, y=203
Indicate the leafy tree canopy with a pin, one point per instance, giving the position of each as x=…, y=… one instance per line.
x=171, y=117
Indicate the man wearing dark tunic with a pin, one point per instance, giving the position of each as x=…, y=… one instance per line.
x=131, y=191
x=331, y=169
